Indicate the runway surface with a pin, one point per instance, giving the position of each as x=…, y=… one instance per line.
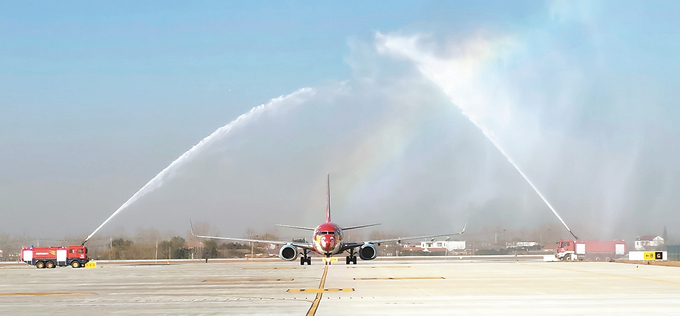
x=404, y=287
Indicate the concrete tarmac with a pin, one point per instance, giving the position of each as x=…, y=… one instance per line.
x=379, y=287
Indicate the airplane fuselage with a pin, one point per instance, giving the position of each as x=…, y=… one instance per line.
x=328, y=239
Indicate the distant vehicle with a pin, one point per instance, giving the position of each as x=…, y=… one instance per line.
x=328, y=241
x=50, y=257
x=569, y=250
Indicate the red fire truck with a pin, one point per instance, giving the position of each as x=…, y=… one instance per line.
x=50, y=257
x=590, y=249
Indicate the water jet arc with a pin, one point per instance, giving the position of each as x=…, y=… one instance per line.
x=244, y=118
x=491, y=139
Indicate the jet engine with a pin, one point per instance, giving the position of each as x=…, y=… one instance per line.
x=368, y=252
x=288, y=252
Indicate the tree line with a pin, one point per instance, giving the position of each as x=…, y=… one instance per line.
x=146, y=244
x=174, y=248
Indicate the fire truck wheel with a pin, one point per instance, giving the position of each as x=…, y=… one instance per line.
x=40, y=264
x=75, y=264
x=49, y=264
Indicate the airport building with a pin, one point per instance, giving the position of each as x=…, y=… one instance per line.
x=435, y=248
x=649, y=242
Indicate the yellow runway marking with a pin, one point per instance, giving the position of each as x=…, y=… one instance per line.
x=317, y=300
x=320, y=290
x=404, y=278
x=606, y=274
x=246, y=280
x=44, y=294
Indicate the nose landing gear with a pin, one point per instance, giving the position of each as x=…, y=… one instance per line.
x=305, y=259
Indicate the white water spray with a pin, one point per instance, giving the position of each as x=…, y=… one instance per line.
x=458, y=73
x=491, y=139
x=157, y=181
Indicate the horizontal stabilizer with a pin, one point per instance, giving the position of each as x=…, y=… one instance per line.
x=360, y=226
x=295, y=227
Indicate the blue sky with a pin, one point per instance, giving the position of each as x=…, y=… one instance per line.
x=82, y=73
x=197, y=53
x=96, y=99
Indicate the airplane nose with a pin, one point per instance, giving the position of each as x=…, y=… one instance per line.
x=327, y=243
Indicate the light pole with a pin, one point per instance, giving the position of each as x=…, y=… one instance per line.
x=252, y=248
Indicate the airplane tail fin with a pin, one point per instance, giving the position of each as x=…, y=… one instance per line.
x=192, y=228
x=328, y=198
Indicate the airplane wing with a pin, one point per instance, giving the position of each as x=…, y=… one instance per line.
x=275, y=242
x=398, y=239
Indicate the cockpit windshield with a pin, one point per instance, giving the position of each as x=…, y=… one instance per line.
x=326, y=233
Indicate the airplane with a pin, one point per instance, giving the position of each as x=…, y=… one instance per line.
x=327, y=240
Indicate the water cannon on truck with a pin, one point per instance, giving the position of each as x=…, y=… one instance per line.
x=51, y=257
x=571, y=250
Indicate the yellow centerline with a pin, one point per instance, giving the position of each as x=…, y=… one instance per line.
x=317, y=300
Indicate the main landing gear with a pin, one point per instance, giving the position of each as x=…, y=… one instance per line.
x=305, y=258
x=351, y=258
